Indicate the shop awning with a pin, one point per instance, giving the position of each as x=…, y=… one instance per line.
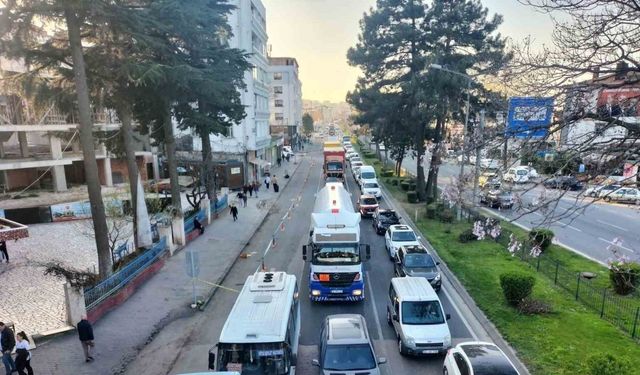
x=260, y=163
x=10, y=230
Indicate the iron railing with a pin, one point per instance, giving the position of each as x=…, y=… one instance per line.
x=99, y=292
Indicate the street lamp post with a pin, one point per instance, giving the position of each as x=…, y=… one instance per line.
x=465, y=135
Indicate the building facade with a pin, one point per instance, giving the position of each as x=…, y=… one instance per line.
x=286, y=98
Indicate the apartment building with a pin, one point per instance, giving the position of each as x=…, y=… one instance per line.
x=286, y=98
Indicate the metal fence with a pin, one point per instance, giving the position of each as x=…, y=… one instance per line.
x=96, y=294
x=221, y=204
x=188, y=223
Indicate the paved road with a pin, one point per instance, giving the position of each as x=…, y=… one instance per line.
x=580, y=224
x=287, y=256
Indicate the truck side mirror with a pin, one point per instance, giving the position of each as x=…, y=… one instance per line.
x=212, y=358
x=304, y=252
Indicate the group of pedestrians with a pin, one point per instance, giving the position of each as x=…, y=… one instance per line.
x=21, y=344
x=248, y=191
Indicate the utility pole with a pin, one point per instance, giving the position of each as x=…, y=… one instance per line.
x=479, y=141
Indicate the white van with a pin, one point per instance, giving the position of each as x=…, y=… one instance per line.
x=416, y=314
x=367, y=174
x=518, y=175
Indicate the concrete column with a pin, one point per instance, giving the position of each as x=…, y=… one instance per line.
x=24, y=145
x=177, y=225
x=165, y=231
x=106, y=165
x=57, y=171
x=74, y=301
x=156, y=167
x=206, y=206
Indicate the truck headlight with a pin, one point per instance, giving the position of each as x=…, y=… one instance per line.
x=357, y=292
x=315, y=293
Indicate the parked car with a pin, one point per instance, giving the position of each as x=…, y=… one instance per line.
x=532, y=172
x=518, y=175
x=602, y=191
x=346, y=347
x=624, y=195
x=399, y=235
x=367, y=205
x=477, y=358
x=415, y=261
x=564, y=183
x=497, y=198
x=416, y=314
x=372, y=188
x=488, y=177
x=383, y=219
x=489, y=163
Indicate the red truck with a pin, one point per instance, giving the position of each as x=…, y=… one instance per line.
x=334, y=162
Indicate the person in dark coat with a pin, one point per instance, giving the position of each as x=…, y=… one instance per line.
x=279, y=162
x=276, y=187
x=250, y=188
x=23, y=356
x=198, y=225
x=245, y=189
x=234, y=212
x=256, y=187
x=3, y=250
x=244, y=200
x=85, y=334
x=7, y=342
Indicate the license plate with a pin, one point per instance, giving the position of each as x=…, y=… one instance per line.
x=336, y=291
x=430, y=352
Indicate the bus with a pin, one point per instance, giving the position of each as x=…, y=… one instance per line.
x=336, y=272
x=262, y=331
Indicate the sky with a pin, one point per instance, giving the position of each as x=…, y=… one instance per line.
x=318, y=34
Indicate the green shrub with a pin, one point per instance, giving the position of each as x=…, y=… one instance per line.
x=624, y=276
x=412, y=186
x=542, y=237
x=412, y=197
x=431, y=211
x=386, y=173
x=394, y=181
x=376, y=162
x=404, y=185
x=516, y=286
x=467, y=236
x=445, y=216
x=607, y=364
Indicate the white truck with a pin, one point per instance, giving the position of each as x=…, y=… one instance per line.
x=336, y=255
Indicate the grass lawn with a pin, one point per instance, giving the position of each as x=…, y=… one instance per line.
x=557, y=343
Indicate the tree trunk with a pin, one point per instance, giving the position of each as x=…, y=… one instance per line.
x=419, y=144
x=124, y=113
x=170, y=150
x=208, y=173
x=432, y=180
x=88, y=146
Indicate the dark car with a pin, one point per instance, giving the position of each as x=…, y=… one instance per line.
x=497, y=198
x=415, y=261
x=564, y=183
x=383, y=219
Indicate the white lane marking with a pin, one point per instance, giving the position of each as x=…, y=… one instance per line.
x=458, y=311
x=612, y=225
x=569, y=226
x=464, y=321
x=620, y=246
x=376, y=317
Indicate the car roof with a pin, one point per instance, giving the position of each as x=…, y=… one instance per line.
x=401, y=227
x=414, y=289
x=487, y=359
x=346, y=328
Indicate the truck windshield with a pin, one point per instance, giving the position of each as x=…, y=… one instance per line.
x=254, y=359
x=334, y=166
x=334, y=254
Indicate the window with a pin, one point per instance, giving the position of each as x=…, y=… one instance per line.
x=279, y=116
x=277, y=76
x=279, y=103
x=277, y=89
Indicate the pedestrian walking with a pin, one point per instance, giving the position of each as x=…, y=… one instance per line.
x=244, y=200
x=85, y=334
x=279, y=162
x=234, y=212
x=267, y=181
x=7, y=342
x=245, y=189
x=23, y=355
x=256, y=187
x=3, y=250
x=288, y=157
x=250, y=187
x=276, y=187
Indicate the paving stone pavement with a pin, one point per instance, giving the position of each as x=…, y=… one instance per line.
x=164, y=298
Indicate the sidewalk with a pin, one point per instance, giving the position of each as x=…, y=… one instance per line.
x=123, y=332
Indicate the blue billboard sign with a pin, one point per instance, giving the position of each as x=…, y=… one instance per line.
x=529, y=117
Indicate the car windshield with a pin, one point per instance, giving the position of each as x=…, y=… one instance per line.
x=355, y=159
x=371, y=185
x=348, y=358
x=419, y=261
x=367, y=175
x=369, y=201
x=336, y=254
x=403, y=236
x=422, y=312
x=522, y=172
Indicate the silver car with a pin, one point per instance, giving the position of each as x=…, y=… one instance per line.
x=626, y=195
x=346, y=347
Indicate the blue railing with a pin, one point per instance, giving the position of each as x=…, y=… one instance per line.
x=222, y=203
x=96, y=294
x=188, y=223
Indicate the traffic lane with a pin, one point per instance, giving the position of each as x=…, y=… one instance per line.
x=193, y=356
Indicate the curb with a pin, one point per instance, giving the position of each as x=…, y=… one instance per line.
x=470, y=304
x=227, y=270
